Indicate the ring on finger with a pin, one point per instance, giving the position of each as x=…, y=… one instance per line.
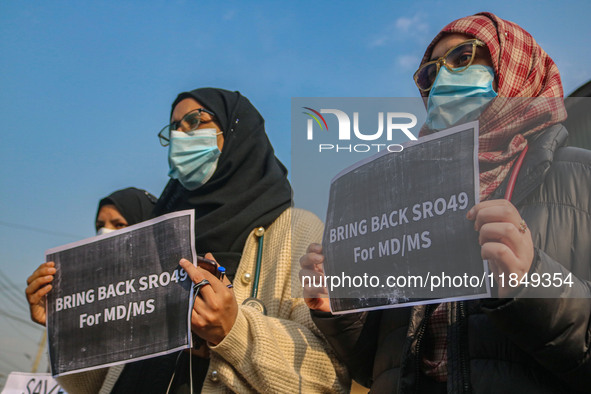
x=522, y=226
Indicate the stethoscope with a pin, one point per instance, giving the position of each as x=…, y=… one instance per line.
x=253, y=301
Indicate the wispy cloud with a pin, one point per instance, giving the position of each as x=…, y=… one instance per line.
x=379, y=41
x=413, y=26
x=229, y=15
x=403, y=28
x=408, y=62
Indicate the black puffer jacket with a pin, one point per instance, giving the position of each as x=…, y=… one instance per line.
x=522, y=345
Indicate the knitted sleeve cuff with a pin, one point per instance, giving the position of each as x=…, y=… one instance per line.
x=233, y=347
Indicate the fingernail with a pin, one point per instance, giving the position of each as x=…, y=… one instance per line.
x=470, y=214
x=184, y=261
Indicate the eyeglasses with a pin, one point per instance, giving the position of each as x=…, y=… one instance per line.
x=189, y=122
x=456, y=60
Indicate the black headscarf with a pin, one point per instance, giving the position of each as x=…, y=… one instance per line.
x=249, y=188
x=135, y=205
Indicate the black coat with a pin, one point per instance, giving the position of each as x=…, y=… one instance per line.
x=521, y=345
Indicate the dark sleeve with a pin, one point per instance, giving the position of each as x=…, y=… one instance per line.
x=354, y=339
x=555, y=329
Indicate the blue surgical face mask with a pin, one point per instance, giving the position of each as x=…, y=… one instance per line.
x=193, y=156
x=459, y=97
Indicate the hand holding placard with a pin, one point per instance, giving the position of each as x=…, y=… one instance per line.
x=215, y=308
x=507, y=248
x=38, y=285
x=312, y=264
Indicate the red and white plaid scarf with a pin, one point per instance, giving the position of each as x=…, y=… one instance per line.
x=522, y=69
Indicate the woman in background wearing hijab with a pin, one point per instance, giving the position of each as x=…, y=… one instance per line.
x=124, y=208
x=118, y=210
x=535, y=220
x=257, y=334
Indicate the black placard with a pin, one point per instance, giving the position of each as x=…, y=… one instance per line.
x=121, y=296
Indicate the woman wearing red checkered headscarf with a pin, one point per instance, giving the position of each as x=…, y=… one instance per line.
x=526, y=81
x=534, y=222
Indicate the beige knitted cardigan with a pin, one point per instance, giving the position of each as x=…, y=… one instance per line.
x=282, y=352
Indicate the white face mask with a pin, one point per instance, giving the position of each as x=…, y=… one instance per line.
x=104, y=230
x=193, y=156
x=459, y=97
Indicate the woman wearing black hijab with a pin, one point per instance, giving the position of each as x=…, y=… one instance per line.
x=249, y=187
x=123, y=208
x=257, y=335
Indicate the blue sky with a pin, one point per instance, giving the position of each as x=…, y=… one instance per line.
x=85, y=87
